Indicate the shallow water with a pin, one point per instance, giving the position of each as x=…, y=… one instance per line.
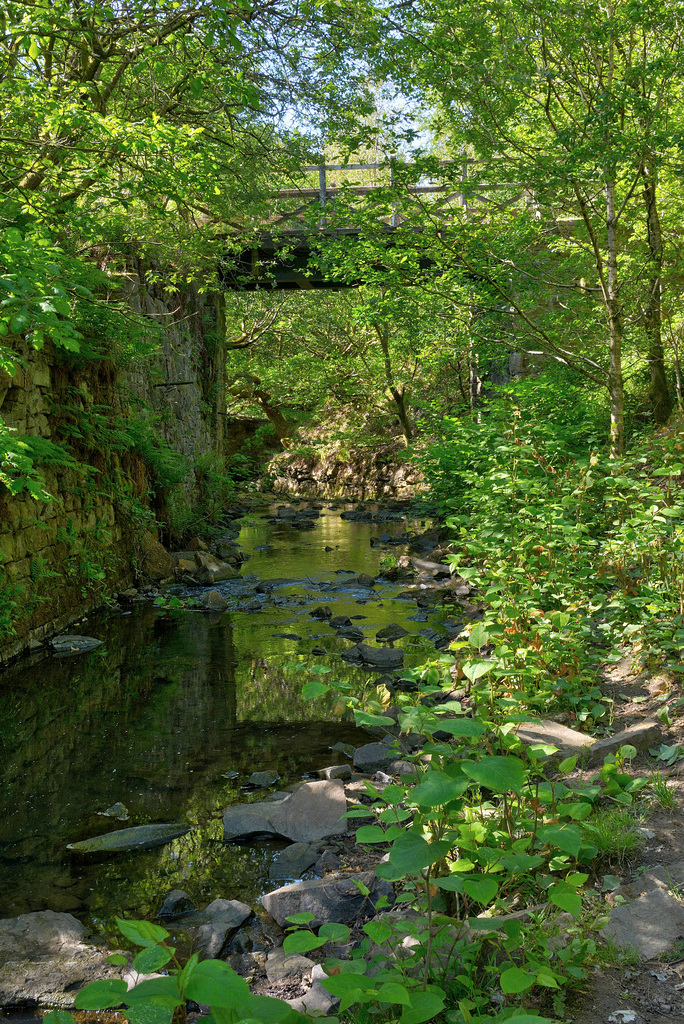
x=171, y=704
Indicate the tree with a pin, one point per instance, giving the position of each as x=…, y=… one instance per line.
x=571, y=104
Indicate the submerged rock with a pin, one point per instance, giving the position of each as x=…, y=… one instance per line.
x=177, y=904
x=140, y=837
x=391, y=632
x=70, y=643
x=293, y=861
x=312, y=812
x=375, y=657
x=262, y=780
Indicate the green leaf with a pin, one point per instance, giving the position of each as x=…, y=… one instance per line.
x=378, y=931
x=391, y=992
x=304, y=918
x=215, y=983
x=267, y=1009
x=567, y=838
x=334, y=932
x=461, y=727
x=482, y=889
x=411, y=853
x=498, y=773
x=149, y=1013
x=479, y=637
x=313, y=689
x=117, y=959
x=520, y=862
x=101, y=995
x=301, y=942
x=437, y=789
x=515, y=980
x=424, y=1006
x=152, y=958
x=142, y=933
x=371, y=834
x=160, y=991
x=474, y=670
x=568, y=765
x=566, y=898
x=59, y=1017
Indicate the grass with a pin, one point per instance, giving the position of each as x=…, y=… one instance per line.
x=664, y=795
x=613, y=831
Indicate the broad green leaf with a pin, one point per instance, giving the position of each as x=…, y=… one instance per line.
x=101, y=995
x=479, y=637
x=424, y=1006
x=117, y=959
x=306, y=917
x=461, y=727
x=267, y=1010
x=152, y=958
x=301, y=942
x=566, y=898
x=436, y=789
x=482, y=889
x=59, y=1017
x=521, y=862
x=567, y=838
x=142, y=933
x=411, y=853
x=474, y=670
x=334, y=932
x=371, y=834
x=391, y=992
x=515, y=980
x=160, y=991
x=378, y=931
x=215, y=983
x=149, y=1013
x=313, y=689
x=568, y=765
x=498, y=773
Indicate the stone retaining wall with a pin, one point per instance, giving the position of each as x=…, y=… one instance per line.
x=62, y=558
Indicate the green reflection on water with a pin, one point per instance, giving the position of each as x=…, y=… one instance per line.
x=155, y=718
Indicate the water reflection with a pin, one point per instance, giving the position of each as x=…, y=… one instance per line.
x=157, y=716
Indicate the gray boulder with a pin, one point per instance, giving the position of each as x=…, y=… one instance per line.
x=176, y=904
x=213, y=926
x=550, y=733
x=213, y=601
x=372, y=756
x=392, y=632
x=338, y=621
x=294, y=860
x=334, y=898
x=336, y=771
x=642, y=736
x=45, y=960
x=314, y=811
x=70, y=643
x=650, y=925
x=382, y=658
x=281, y=966
x=317, y=1001
x=262, y=780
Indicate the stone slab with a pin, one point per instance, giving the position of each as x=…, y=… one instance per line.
x=45, y=960
x=650, y=924
x=643, y=735
x=314, y=811
x=334, y=898
x=545, y=731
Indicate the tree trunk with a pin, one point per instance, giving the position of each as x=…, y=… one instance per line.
x=615, y=380
x=281, y=426
x=398, y=393
x=659, y=391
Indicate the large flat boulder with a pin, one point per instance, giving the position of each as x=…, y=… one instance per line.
x=550, y=733
x=383, y=658
x=641, y=736
x=333, y=898
x=650, y=925
x=45, y=960
x=314, y=811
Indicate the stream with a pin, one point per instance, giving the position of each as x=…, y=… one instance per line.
x=177, y=708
